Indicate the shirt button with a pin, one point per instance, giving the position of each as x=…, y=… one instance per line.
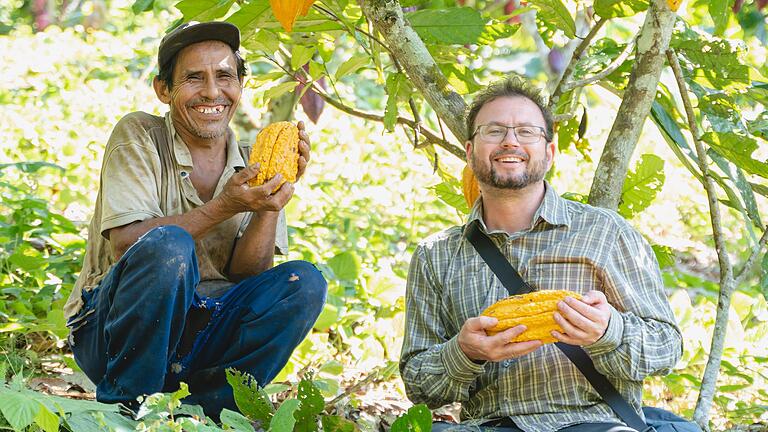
x=505, y=363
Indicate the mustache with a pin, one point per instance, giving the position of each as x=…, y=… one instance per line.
x=521, y=154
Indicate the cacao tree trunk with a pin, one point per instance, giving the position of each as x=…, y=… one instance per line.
x=652, y=44
x=412, y=55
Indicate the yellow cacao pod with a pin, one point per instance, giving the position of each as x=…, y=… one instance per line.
x=469, y=186
x=276, y=151
x=674, y=5
x=534, y=310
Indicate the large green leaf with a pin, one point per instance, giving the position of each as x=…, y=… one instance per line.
x=738, y=178
x=451, y=194
x=555, y=12
x=332, y=423
x=461, y=78
x=390, y=110
x=352, y=65
x=203, y=10
x=312, y=404
x=737, y=149
x=720, y=11
x=345, y=265
x=712, y=62
x=449, y=26
x=250, y=17
x=495, y=31
x=283, y=421
x=236, y=421
x=18, y=409
x=250, y=399
x=417, y=419
x=642, y=185
x=619, y=8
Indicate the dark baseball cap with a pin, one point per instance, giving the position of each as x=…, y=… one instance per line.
x=194, y=32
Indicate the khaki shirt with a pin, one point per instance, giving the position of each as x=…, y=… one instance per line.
x=145, y=175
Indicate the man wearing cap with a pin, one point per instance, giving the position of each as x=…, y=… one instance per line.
x=178, y=282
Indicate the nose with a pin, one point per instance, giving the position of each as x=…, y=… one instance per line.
x=210, y=89
x=510, y=139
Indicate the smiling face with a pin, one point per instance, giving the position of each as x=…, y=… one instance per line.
x=205, y=92
x=510, y=165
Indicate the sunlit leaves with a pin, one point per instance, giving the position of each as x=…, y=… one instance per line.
x=738, y=149
x=642, y=185
x=352, y=65
x=555, y=12
x=619, y=8
x=720, y=11
x=710, y=61
x=250, y=399
x=250, y=17
x=203, y=10
x=447, y=26
x=345, y=266
x=417, y=419
x=390, y=111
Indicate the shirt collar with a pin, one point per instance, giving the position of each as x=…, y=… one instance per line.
x=184, y=157
x=553, y=210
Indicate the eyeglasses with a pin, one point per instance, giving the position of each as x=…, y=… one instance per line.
x=495, y=134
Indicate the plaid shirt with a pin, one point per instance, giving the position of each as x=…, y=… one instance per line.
x=569, y=246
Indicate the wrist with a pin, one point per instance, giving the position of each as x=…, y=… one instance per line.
x=217, y=210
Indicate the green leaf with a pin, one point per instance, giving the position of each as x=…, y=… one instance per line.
x=338, y=424
x=250, y=18
x=720, y=10
x=345, y=265
x=328, y=317
x=203, y=10
x=283, y=421
x=460, y=77
x=140, y=6
x=712, y=62
x=236, y=421
x=280, y=89
x=737, y=149
x=390, y=111
x=555, y=12
x=496, y=31
x=417, y=419
x=619, y=8
x=642, y=185
x=18, y=409
x=301, y=55
x=312, y=404
x=449, y=26
x=451, y=194
x=331, y=367
x=352, y=65
x=738, y=178
x=664, y=255
x=251, y=400
x=48, y=421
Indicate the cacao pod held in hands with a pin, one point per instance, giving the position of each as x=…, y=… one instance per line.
x=277, y=151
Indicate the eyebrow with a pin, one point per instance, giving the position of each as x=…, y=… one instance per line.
x=188, y=72
x=495, y=123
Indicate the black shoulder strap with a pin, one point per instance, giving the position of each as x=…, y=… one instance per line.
x=515, y=284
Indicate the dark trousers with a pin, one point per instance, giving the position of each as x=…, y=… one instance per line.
x=145, y=329
x=510, y=427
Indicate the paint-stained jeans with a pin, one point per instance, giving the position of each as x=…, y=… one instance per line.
x=130, y=337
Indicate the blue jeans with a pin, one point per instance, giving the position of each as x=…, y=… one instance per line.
x=144, y=328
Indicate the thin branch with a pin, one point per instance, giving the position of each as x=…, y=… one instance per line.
x=618, y=61
x=752, y=258
x=574, y=59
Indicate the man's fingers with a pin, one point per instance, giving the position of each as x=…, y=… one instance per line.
x=481, y=323
x=249, y=172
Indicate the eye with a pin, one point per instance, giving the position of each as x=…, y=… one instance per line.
x=495, y=131
x=525, y=131
x=194, y=78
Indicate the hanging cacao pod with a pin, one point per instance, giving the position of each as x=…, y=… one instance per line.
x=469, y=186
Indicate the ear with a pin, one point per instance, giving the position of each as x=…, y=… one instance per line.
x=161, y=90
x=550, y=148
x=468, y=149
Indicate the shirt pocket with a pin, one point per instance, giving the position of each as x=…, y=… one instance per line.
x=579, y=277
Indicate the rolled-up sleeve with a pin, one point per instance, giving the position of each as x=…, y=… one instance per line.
x=642, y=337
x=433, y=367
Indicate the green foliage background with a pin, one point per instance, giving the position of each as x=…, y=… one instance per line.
x=368, y=196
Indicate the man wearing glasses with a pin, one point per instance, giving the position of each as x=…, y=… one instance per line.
x=623, y=321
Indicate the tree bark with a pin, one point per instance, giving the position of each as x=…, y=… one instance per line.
x=411, y=53
x=652, y=43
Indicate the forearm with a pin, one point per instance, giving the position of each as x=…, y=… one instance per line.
x=633, y=348
x=196, y=222
x=439, y=375
x=254, y=252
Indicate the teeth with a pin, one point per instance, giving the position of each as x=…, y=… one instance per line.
x=510, y=159
x=210, y=110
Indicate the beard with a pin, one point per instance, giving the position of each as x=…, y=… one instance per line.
x=486, y=173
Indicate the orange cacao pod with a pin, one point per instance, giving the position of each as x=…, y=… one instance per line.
x=534, y=310
x=469, y=186
x=276, y=151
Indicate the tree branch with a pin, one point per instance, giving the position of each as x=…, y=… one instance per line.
x=618, y=61
x=652, y=43
x=727, y=285
x=752, y=258
x=409, y=50
x=559, y=90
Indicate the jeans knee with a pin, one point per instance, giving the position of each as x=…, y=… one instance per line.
x=309, y=281
x=167, y=245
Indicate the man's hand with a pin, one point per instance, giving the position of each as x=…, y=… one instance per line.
x=304, y=149
x=583, y=321
x=477, y=345
x=238, y=197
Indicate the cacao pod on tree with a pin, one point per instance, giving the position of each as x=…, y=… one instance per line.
x=469, y=186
